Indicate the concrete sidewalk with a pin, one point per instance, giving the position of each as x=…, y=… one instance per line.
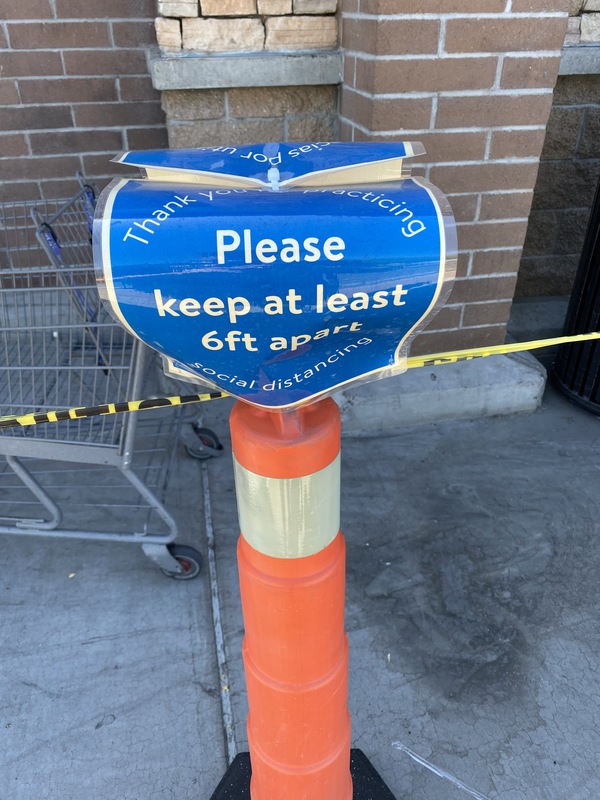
x=472, y=615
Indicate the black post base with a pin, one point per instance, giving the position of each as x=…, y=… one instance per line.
x=366, y=781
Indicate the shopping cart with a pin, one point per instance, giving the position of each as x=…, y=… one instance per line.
x=59, y=348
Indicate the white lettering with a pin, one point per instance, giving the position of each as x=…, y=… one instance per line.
x=226, y=247
x=288, y=249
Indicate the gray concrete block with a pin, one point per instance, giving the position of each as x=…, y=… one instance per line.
x=221, y=72
x=488, y=387
x=583, y=59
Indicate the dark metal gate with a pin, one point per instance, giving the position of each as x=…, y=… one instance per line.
x=577, y=366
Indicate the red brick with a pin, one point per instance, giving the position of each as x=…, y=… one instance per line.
x=490, y=35
x=445, y=146
x=493, y=110
x=92, y=115
x=68, y=90
x=60, y=187
x=35, y=168
x=360, y=136
x=138, y=89
x=509, y=205
x=9, y=94
x=26, y=9
x=400, y=113
x=486, y=313
x=89, y=9
x=346, y=130
x=61, y=35
x=539, y=5
x=432, y=6
x=517, y=144
x=349, y=70
x=407, y=37
x=529, y=73
x=466, y=178
x=391, y=36
x=105, y=62
x=20, y=190
x=147, y=138
x=61, y=143
x=95, y=166
x=481, y=236
x=24, y=118
x=359, y=35
x=496, y=262
x=382, y=115
x=448, y=146
x=462, y=266
x=13, y=144
x=138, y=33
x=447, y=317
x=426, y=75
x=462, y=339
x=482, y=289
x=34, y=62
x=464, y=206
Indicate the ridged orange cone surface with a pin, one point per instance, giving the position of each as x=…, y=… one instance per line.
x=295, y=648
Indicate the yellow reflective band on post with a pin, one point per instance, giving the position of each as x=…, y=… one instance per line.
x=289, y=517
x=414, y=362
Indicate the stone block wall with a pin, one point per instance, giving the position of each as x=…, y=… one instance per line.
x=568, y=175
x=219, y=26
x=201, y=118
x=239, y=114
x=584, y=22
x=74, y=90
x=472, y=80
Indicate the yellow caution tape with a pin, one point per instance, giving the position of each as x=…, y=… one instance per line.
x=414, y=362
x=496, y=350
x=107, y=408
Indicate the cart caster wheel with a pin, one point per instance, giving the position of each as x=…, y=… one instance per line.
x=208, y=444
x=189, y=559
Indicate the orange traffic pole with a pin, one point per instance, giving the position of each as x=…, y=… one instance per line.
x=291, y=558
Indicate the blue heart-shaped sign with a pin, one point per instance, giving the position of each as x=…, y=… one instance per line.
x=277, y=297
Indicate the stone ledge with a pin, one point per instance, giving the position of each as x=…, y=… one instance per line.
x=237, y=71
x=487, y=387
x=580, y=59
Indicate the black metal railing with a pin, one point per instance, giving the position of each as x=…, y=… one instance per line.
x=576, y=368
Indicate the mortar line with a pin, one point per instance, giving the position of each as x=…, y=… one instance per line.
x=224, y=685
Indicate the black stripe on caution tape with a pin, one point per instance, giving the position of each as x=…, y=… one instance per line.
x=106, y=408
x=414, y=362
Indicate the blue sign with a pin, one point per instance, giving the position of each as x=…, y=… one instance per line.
x=294, y=163
x=277, y=297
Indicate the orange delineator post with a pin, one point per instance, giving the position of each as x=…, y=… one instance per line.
x=291, y=558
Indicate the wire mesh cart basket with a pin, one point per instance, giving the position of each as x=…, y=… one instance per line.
x=59, y=349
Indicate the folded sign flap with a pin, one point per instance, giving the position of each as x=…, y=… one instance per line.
x=278, y=165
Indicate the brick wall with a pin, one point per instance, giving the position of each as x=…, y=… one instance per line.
x=74, y=90
x=568, y=175
x=200, y=117
x=472, y=80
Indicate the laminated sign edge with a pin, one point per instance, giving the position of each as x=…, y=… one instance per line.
x=104, y=216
